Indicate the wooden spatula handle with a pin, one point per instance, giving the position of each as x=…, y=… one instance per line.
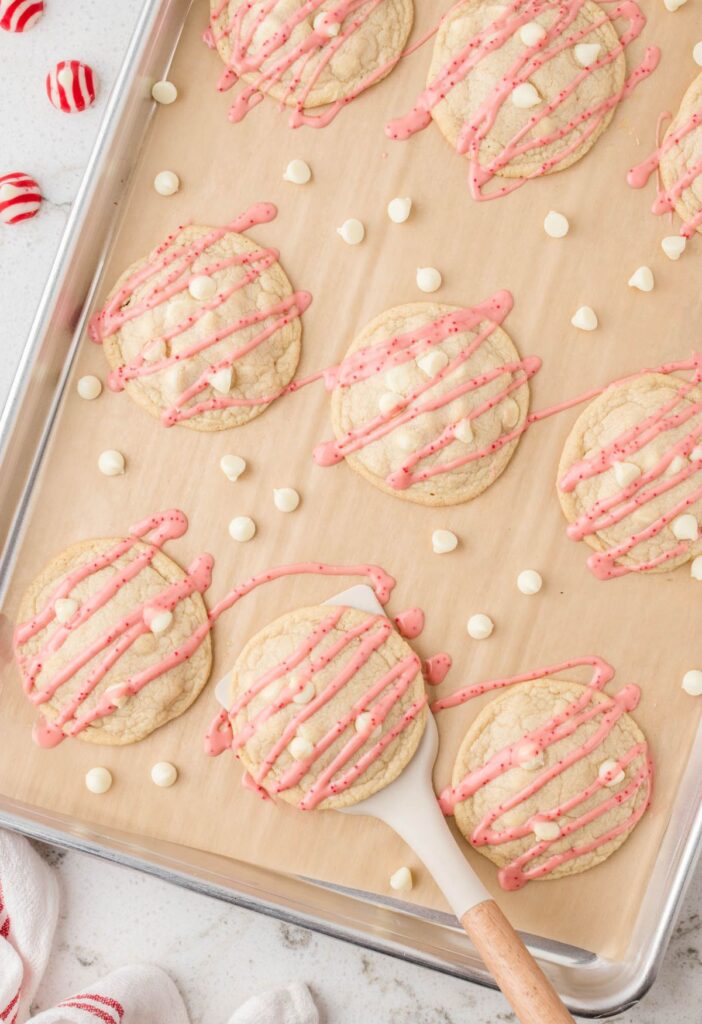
x=526, y=987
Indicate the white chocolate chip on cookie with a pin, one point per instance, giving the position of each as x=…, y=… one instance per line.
x=525, y=95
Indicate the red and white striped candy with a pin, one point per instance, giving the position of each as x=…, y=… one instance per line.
x=20, y=198
x=71, y=86
x=19, y=15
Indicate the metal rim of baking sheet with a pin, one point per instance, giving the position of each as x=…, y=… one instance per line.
x=591, y=986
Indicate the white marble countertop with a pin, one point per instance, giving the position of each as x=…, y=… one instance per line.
x=218, y=955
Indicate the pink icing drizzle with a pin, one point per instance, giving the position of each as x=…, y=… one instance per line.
x=437, y=668
x=558, y=38
x=410, y=623
x=580, y=711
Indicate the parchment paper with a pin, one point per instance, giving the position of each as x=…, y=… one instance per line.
x=647, y=627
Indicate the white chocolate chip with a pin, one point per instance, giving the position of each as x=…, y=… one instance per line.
x=625, y=473
x=166, y=183
x=352, y=231
x=300, y=748
x=401, y=880
x=696, y=568
x=398, y=378
x=525, y=96
x=585, y=319
x=443, y=541
x=111, y=462
x=98, y=780
x=546, y=831
x=242, y=528
x=587, y=53
x=221, y=380
x=610, y=773
x=675, y=465
x=692, y=682
x=154, y=351
x=696, y=454
x=673, y=5
x=480, y=626
x=164, y=92
x=509, y=412
x=160, y=622
x=529, y=582
x=164, y=774
x=697, y=54
x=89, y=387
x=433, y=362
x=285, y=499
x=399, y=209
x=65, y=608
x=556, y=225
x=674, y=245
x=428, y=279
x=530, y=756
x=116, y=696
x=463, y=430
x=305, y=695
x=389, y=401
x=642, y=279
x=363, y=721
x=404, y=439
x=203, y=287
x=532, y=33
x=297, y=172
x=232, y=466
x=322, y=23
x=685, y=527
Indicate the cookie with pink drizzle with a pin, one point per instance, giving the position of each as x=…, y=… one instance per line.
x=526, y=88
x=113, y=637
x=205, y=328
x=552, y=776
x=629, y=479
x=679, y=158
x=307, y=54
x=327, y=706
x=430, y=401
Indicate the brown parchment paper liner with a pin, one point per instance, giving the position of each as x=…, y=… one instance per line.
x=647, y=627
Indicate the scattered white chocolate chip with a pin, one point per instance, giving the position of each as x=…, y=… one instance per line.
x=362, y=721
x=98, y=780
x=525, y=95
x=585, y=319
x=404, y=439
x=203, y=287
x=556, y=225
x=300, y=748
x=221, y=380
x=242, y=528
x=111, y=462
x=509, y=412
x=65, y=608
x=154, y=351
x=480, y=626
x=298, y=172
x=89, y=387
x=673, y=5
x=116, y=696
x=610, y=773
x=642, y=279
x=625, y=473
x=675, y=465
x=443, y=541
x=685, y=527
x=285, y=499
x=696, y=454
x=389, y=401
x=586, y=53
x=428, y=279
x=166, y=183
x=305, y=695
x=696, y=568
x=160, y=622
x=401, y=880
x=529, y=582
x=399, y=209
x=546, y=831
x=398, y=378
x=352, y=231
x=232, y=466
x=532, y=33
x=322, y=23
x=463, y=430
x=530, y=756
x=164, y=92
x=697, y=54
x=433, y=362
x=673, y=246
x=692, y=682
x=164, y=774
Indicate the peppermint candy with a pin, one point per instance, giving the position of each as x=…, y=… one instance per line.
x=71, y=86
x=19, y=15
x=20, y=198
